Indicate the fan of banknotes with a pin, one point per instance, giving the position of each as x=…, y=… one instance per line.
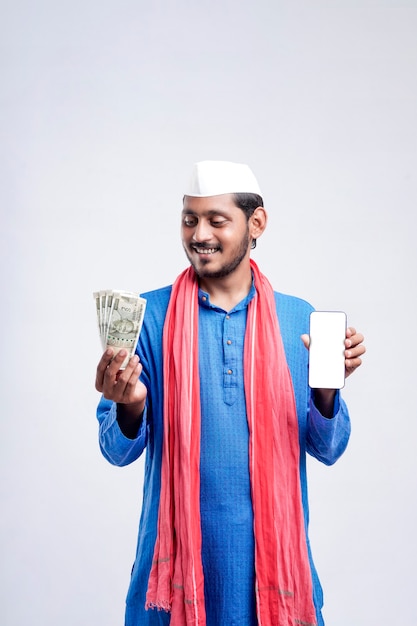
x=119, y=316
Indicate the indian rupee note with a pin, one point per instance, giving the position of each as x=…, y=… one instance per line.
x=96, y=296
x=125, y=312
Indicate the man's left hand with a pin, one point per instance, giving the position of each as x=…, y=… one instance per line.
x=354, y=349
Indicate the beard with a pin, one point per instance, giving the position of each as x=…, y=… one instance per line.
x=229, y=267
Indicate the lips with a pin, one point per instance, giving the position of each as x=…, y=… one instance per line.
x=205, y=250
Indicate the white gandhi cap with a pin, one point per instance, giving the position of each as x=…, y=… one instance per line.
x=213, y=178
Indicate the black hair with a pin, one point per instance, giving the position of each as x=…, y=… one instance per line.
x=248, y=202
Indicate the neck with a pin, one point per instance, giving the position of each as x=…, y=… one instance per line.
x=227, y=292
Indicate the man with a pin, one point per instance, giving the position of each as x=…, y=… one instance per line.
x=218, y=395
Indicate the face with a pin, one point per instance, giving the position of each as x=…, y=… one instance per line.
x=215, y=235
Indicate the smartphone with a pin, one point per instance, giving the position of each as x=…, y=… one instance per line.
x=326, y=369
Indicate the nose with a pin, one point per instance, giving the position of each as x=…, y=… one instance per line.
x=202, y=231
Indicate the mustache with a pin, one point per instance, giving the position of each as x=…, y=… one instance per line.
x=205, y=246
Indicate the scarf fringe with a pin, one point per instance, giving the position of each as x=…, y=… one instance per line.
x=159, y=605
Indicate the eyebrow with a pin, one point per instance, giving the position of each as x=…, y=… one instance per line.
x=209, y=213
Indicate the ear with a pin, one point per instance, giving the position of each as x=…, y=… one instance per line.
x=257, y=222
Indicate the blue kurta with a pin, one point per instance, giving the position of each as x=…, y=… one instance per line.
x=225, y=499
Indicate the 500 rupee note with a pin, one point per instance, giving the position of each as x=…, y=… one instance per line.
x=120, y=317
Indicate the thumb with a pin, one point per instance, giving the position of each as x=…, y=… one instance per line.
x=306, y=340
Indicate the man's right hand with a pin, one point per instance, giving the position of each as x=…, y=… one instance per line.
x=122, y=386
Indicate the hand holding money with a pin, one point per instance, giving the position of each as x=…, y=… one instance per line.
x=119, y=316
x=123, y=387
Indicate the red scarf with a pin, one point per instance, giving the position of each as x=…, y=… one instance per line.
x=283, y=577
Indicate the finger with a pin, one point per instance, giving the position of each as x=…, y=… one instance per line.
x=354, y=340
x=102, y=368
x=116, y=379
x=355, y=351
x=111, y=373
x=306, y=340
x=116, y=363
x=350, y=331
x=122, y=387
x=351, y=365
x=130, y=383
x=124, y=375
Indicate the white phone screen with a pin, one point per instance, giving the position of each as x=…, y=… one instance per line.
x=326, y=351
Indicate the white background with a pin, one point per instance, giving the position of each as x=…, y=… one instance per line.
x=104, y=107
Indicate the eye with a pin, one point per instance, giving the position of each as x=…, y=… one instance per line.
x=190, y=221
x=217, y=223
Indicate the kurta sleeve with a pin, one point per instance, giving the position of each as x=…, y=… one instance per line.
x=114, y=445
x=327, y=438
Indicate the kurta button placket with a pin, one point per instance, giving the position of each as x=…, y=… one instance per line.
x=224, y=446
x=230, y=356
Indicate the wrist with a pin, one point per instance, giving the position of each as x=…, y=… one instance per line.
x=129, y=418
x=324, y=401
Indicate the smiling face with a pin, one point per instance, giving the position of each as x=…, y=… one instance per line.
x=215, y=235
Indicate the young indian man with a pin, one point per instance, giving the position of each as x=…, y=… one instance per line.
x=217, y=393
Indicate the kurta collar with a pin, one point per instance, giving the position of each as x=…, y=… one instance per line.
x=204, y=300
